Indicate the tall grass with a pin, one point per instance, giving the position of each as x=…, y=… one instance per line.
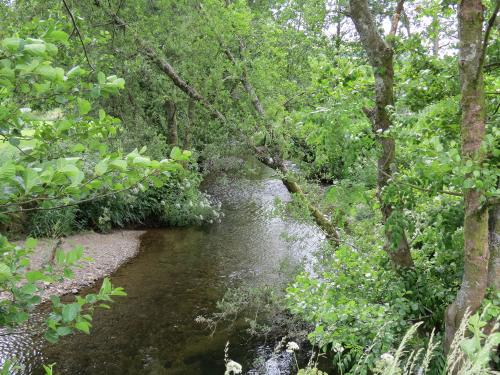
x=470, y=352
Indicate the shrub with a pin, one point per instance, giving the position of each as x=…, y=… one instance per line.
x=178, y=202
x=53, y=223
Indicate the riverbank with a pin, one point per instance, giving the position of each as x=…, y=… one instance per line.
x=107, y=252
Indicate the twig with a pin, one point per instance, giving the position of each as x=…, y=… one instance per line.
x=75, y=27
x=455, y=194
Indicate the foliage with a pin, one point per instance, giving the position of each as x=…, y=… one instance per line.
x=72, y=152
x=58, y=159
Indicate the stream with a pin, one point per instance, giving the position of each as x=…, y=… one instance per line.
x=179, y=274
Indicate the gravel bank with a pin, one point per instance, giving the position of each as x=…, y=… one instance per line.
x=108, y=252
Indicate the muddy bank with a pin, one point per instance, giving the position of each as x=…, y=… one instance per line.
x=107, y=251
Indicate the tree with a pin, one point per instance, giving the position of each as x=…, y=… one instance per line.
x=54, y=156
x=380, y=54
x=472, y=50
x=170, y=112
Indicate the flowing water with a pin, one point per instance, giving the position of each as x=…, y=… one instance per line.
x=179, y=274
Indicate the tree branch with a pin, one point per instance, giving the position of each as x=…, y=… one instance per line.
x=453, y=193
x=491, y=23
x=80, y=201
x=396, y=17
x=75, y=27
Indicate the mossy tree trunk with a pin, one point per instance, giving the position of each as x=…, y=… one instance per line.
x=380, y=55
x=494, y=242
x=170, y=113
x=476, y=249
x=189, y=124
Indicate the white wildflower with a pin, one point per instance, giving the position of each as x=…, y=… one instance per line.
x=292, y=347
x=338, y=348
x=177, y=205
x=233, y=367
x=387, y=357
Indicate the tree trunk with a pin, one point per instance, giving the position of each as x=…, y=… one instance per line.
x=476, y=251
x=189, y=124
x=170, y=112
x=380, y=55
x=494, y=242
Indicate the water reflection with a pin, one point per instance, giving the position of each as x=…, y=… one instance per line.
x=180, y=274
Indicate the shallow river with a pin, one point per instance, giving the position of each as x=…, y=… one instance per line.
x=179, y=274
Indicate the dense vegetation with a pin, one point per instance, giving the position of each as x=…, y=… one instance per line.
x=389, y=109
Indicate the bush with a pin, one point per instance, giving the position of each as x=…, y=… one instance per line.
x=178, y=202
x=53, y=223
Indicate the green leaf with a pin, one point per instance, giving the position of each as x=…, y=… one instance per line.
x=176, y=153
x=51, y=49
x=78, y=148
x=119, y=164
x=5, y=272
x=84, y=106
x=29, y=289
x=101, y=167
x=70, y=312
x=118, y=292
x=101, y=78
x=51, y=336
x=37, y=49
x=46, y=71
x=31, y=179
x=12, y=44
x=57, y=36
x=83, y=326
x=64, y=331
x=106, y=286
x=142, y=161
x=33, y=276
x=60, y=257
x=74, y=255
x=7, y=171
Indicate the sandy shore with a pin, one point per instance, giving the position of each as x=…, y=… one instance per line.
x=108, y=251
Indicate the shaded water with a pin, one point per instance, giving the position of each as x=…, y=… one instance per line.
x=179, y=274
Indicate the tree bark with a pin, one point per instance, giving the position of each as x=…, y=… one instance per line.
x=396, y=17
x=247, y=85
x=189, y=124
x=476, y=251
x=179, y=82
x=165, y=67
x=494, y=244
x=276, y=163
x=435, y=39
x=380, y=55
x=170, y=112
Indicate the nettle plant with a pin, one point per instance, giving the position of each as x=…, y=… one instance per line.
x=55, y=154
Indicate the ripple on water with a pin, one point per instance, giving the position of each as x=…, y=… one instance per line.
x=180, y=274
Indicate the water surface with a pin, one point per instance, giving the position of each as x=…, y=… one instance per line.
x=179, y=274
